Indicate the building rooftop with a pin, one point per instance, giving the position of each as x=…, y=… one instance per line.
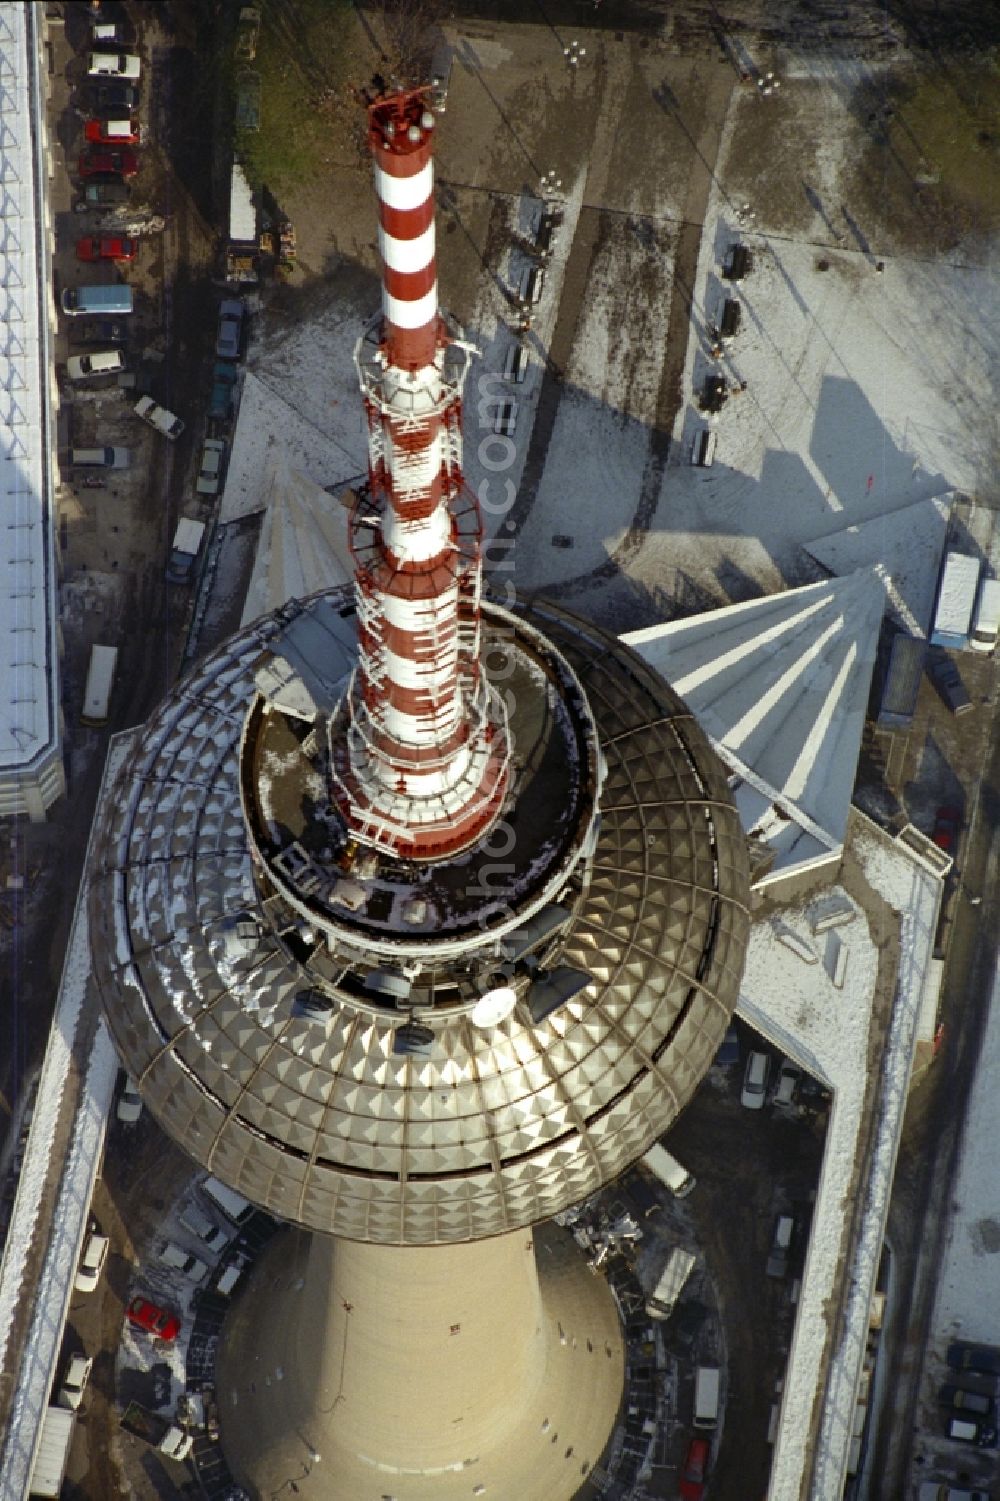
x=30, y=749
x=495, y=1126
x=781, y=685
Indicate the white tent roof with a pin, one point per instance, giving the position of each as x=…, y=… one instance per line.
x=781, y=685
x=908, y=542
x=303, y=545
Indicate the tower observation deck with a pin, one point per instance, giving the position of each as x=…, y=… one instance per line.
x=417, y=919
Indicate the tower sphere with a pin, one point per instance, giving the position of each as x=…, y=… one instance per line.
x=300, y=1013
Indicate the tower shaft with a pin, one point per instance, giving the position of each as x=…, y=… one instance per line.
x=423, y=1373
x=425, y=768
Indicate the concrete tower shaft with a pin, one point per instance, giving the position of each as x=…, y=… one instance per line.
x=425, y=768
x=493, y=1368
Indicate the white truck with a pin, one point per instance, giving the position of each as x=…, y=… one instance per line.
x=100, y=681
x=670, y=1284
x=956, y=599
x=49, y=1469
x=165, y=422
x=671, y=1173
x=184, y=551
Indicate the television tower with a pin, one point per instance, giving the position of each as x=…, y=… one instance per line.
x=416, y=937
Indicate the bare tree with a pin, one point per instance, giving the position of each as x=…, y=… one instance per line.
x=406, y=32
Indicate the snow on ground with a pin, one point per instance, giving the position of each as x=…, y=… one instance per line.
x=865, y=391
x=494, y=465
x=301, y=396
x=789, y=994
x=595, y=462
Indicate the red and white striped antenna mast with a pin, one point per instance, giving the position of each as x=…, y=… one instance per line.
x=425, y=766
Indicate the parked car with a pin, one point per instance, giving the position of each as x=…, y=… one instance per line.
x=948, y=681
x=159, y=417
x=129, y=1103
x=729, y=1049
x=947, y=824
x=95, y=1254
x=107, y=132
x=210, y=473
x=103, y=331
x=754, y=1091
x=175, y=1443
x=175, y=1256
x=197, y=1223
x=113, y=65
x=227, y=343
x=223, y=381
x=788, y=1082
x=154, y=1320
x=962, y=1399
x=103, y=457
x=106, y=248
x=695, y=1469
x=984, y=1359
x=102, y=194
x=74, y=1383
x=969, y=1429
x=105, y=160
x=247, y=31
x=117, y=96
x=90, y=366
x=781, y=1241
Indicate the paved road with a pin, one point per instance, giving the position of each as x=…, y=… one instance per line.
x=918, y=1215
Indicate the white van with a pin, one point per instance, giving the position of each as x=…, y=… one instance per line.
x=706, y=1396
x=673, y=1174
x=672, y=1281
x=754, y=1091
x=234, y=1206
x=197, y=1223
x=173, y=1255
x=229, y=1278
x=986, y=618
x=101, y=362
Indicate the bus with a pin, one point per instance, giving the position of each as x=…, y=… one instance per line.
x=100, y=681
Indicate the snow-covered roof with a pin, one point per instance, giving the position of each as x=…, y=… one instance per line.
x=29, y=702
x=791, y=994
x=780, y=685
x=303, y=545
x=908, y=543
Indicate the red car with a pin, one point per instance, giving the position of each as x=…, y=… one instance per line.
x=120, y=163
x=154, y=1320
x=106, y=248
x=947, y=823
x=123, y=132
x=695, y=1470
